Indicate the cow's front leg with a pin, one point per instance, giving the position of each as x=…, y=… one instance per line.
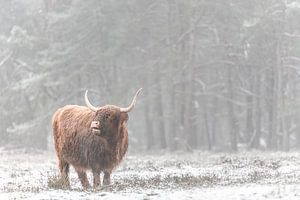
x=106, y=179
x=83, y=178
x=96, y=183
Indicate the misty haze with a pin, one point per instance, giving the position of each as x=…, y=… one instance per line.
x=218, y=115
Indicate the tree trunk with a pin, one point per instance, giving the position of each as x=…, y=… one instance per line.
x=249, y=113
x=231, y=112
x=149, y=127
x=272, y=110
x=172, y=122
x=160, y=112
x=257, y=133
x=206, y=123
x=282, y=52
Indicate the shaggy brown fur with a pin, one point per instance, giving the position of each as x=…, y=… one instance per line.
x=77, y=145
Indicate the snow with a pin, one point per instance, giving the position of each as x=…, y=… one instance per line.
x=249, y=192
x=198, y=175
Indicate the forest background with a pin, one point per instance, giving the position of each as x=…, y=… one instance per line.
x=216, y=75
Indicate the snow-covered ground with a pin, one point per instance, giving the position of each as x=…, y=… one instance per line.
x=198, y=175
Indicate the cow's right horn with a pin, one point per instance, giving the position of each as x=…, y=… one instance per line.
x=88, y=104
x=130, y=107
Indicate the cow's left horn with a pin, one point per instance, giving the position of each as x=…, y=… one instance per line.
x=130, y=107
x=87, y=102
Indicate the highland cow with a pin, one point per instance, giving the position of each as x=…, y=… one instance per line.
x=90, y=138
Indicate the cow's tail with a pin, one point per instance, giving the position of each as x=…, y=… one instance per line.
x=55, y=129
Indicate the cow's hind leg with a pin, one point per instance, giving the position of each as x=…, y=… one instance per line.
x=83, y=178
x=64, y=172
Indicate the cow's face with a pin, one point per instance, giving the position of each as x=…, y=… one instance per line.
x=110, y=120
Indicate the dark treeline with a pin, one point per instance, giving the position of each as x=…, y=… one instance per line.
x=216, y=74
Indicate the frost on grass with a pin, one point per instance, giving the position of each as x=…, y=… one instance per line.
x=25, y=175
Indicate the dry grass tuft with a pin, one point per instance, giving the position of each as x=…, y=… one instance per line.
x=55, y=182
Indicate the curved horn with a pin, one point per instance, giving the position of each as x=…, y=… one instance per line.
x=87, y=102
x=130, y=107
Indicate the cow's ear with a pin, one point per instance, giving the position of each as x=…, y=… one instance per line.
x=123, y=117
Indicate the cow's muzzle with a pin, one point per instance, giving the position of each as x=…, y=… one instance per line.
x=95, y=126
